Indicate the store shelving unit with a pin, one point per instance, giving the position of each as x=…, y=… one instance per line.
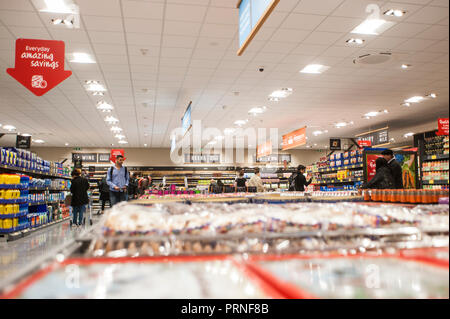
x=433, y=160
x=23, y=230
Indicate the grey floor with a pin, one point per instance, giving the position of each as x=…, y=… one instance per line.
x=19, y=254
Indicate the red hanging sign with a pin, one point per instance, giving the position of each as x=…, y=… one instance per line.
x=443, y=127
x=363, y=144
x=39, y=64
x=114, y=154
x=264, y=149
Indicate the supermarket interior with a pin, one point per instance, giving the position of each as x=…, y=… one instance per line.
x=224, y=149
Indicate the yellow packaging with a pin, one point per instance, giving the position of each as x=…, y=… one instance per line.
x=16, y=208
x=2, y=179
x=9, y=209
x=2, y=194
x=16, y=222
x=2, y=209
x=1, y=223
x=7, y=223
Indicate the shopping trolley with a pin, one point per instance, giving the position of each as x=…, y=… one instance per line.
x=88, y=212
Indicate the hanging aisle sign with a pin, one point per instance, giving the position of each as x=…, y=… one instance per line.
x=39, y=64
x=294, y=139
x=376, y=138
x=443, y=127
x=264, y=149
x=252, y=15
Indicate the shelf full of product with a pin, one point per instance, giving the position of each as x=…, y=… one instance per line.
x=33, y=199
x=434, y=163
x=339, y=172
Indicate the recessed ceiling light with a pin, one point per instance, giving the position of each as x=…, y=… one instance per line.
x=281, y=94
x=58, y=6
x=273, y=99
x=356, y=41
x=372, y=26
x=374, y=114
x=240, y=122
x=98, y=94
x=316, y=133
x=315, y=69
x=57, y=21
x=67, y=144
x=406, y=104
x=407, y=135
x=39, y=141
x=9, y=127
x=406, y=66
x=79, y=57
x=123, y=142
x=257, y=110
x=25, y=134
x=104, y=107
x=395, y=13
x=119, y=136
x=116, y=129
x=432, y=95
x=415, y=99
x=111, y=119
x=94, y=86
x=343, y=124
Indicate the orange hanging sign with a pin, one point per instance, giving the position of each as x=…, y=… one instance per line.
x=294, y=139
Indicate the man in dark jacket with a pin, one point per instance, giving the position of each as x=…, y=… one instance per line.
x=80, y=198
x=383, y=178
x=395, y=168
x=133, y=186
x=300, y=179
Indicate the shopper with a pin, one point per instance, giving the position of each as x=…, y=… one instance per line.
x=118, y=179
x=240, y=183
x=395, y=168
x=104, y=194
x=299, y=180
x=256, y=181
x=80, y=199
x=133, y=186
x=220, y=186
x=383, y=178
x=144, y=184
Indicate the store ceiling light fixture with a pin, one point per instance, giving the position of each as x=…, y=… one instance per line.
x=408, y=135
x=9, y=128
x=59, y=6
x=314, y=69
x=39, y=141
x=317, y=133
x=94, y=86
x=406, y=104
x=406, y=66
x=431, y=95
x=123, y=142
x=281, y=94
x=395, y=13
x=372, y=26
x=120, y=136
x=356, y=41
x=343, y=124
x=80, y=57
x=415, y=99
x=240, y=122
x=98, y=94
x=104, y=107
x=257, y=110
x=111, y=120
x=372, y=114
x=116, y=129
x=24, y=134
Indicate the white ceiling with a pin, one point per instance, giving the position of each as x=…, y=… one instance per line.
x=192, y=47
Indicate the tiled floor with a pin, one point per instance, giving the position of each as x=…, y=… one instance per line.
x=21, y=253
